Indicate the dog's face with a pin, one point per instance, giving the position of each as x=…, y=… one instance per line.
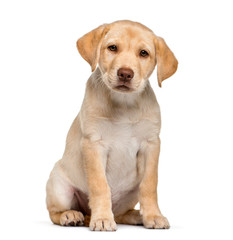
x=127, y=57
x=127, y=53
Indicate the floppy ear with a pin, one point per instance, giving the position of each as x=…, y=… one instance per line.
x=89, y=45
x=167, y=62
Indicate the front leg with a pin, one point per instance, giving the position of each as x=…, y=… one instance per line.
x=152, y=217
x=99, y=192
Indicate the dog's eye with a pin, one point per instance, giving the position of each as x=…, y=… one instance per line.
x=144, y=53
x=112, y=48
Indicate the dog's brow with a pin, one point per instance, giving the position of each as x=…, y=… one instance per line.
x=144, y=44
x=111, y=41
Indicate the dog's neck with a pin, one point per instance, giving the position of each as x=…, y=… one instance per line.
x=124, y=99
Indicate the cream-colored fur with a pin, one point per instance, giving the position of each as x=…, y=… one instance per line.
x=112, y=149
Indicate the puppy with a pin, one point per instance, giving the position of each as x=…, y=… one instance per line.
x=112, y=149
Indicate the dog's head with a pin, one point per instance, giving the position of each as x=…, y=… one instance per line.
x=127, y=53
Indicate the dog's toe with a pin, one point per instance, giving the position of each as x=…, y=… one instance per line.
x=72, y=218
x=103, y=225
x=156, y=222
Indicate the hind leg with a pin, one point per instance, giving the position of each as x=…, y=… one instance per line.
x=67, y=218
x=131, y=217
x=60, y=199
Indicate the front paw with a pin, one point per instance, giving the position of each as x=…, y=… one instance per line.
x=103, y=224
x=158, y=222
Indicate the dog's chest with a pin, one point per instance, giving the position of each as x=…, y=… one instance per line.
x=122, y=141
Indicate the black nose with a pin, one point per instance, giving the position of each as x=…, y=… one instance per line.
x=125, y=74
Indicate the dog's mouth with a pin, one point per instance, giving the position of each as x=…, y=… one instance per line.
x=123, y=88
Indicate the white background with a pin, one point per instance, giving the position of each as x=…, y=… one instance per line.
x=42, y=83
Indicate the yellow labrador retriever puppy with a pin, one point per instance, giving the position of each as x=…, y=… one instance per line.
x=111, y=157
